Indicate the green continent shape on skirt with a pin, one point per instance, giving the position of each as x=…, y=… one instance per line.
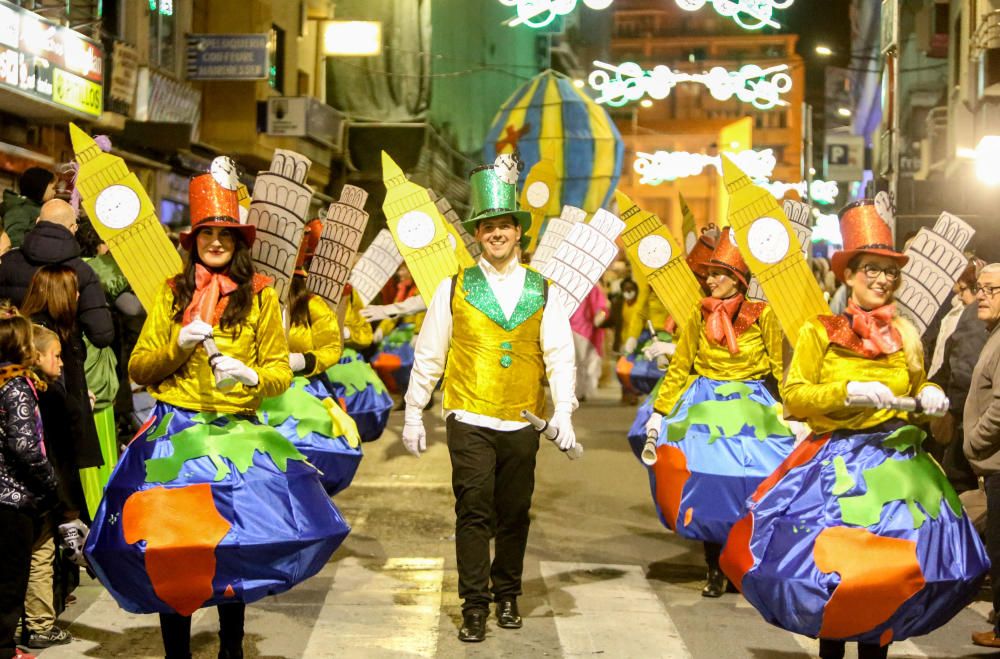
x=355, y=375
x=399, y=336
x=726, y=418
x=843, y=482
x=916, y=480
x=310, y=413
x=905, y=438
x=237, y=441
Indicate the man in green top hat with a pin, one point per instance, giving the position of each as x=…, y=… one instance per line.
x=496, y=335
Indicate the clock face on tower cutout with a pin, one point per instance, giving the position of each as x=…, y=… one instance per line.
x=537, y=194
x=768, y=240
x=118, y=206
x=415, y=229
x=654, y=251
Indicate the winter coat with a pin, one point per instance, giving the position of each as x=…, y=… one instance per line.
x=962, y=351
x=27, y=481
x=19, y=215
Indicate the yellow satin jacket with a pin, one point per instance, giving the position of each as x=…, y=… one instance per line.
x=320, y=338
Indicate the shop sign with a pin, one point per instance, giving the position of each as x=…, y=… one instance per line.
x=50, y=62
x=227, y=57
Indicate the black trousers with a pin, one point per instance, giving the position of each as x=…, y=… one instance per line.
x=493, y=478
x=992, y=483
x=835, y=650
x=712, y=553
x=18, y=533
x=176, y=632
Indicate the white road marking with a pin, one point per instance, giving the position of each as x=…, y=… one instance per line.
x=582, y=596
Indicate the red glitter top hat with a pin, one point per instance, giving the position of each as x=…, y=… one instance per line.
x=214, y=206
x=727, y=256
x=310, y=241
x=864, y=232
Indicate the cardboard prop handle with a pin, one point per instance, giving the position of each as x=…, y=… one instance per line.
x=902, y=403
x=548, y=432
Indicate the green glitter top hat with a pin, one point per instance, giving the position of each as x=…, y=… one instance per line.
x=494, y=193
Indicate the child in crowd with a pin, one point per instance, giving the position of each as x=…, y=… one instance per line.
x=27, y=482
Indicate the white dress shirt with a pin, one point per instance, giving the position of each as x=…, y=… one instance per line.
x=431, y=350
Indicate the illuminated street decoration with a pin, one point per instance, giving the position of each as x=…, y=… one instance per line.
x=751, y=84
x=822, y=192
x=655, y=168
x=539, y=13
x=748, y=14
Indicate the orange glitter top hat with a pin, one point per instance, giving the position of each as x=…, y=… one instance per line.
x=310, y=241
x=702, y=250
x=864, y=232
x=213, y=205
x=727, y=255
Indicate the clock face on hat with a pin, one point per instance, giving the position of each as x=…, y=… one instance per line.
x=415, y=229
x=117, y=206
x=768, y=240
x=537, y=194
x=654, y=251
x=223, y=170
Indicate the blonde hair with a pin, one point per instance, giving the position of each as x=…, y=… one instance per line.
x=43, y=337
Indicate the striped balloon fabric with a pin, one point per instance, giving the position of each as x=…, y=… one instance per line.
x=548, y=118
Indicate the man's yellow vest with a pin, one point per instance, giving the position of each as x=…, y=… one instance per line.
x=495, y=365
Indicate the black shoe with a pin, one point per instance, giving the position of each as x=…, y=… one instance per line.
x=716, y=584
x=507, y=614
x=231, y=653
x=473, y=626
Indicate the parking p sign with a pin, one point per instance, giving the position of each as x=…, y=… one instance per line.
x=844, y=158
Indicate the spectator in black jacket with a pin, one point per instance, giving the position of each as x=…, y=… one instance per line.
x=51, y=242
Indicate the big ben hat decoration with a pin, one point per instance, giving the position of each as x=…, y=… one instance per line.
x=494, y=193
x=864, y=232
x=215, y=204
x=727, y=256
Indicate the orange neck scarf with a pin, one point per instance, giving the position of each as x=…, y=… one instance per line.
x=718, y=315
x=878, y=336
x=209, y=299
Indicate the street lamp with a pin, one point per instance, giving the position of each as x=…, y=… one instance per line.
x=824, y=51
x=844, y=112
x=988, y=160
x=646, y=103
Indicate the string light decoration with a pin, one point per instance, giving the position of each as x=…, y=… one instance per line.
x=822, y=192
x=655, y=168
x=540, y=13
x=760, y=87
x=748, y=14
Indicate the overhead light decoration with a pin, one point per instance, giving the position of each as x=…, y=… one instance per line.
x=751, y=84
x=540, y=13
x=352, y=38
x=655, y=168
x=748, y=14
x=826, y=228
x=822, y=192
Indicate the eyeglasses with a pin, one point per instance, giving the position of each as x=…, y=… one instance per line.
x=872, y=272
x=988, y=291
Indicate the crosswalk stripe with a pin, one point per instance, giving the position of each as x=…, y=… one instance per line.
x=394, y=608
x=900, y=649
x=583, y=594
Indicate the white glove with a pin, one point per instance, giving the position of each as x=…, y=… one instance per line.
x=74, y=536
x=630, y=345
x=377, y=336
x=878, y=393
x=346, y=334
x=193, y=333
x=933, y=400
x=563, y=422
x=297, y=361
x=659, y=349
x=653, y=424
x=376, y=312
x=237, y=370
x=599, y=318
x=414, y=436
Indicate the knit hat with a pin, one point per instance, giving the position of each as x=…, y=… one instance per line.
x=33, y=183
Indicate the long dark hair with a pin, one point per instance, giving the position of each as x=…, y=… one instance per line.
x=298, y=302
x=240, y=271
x=54, y=290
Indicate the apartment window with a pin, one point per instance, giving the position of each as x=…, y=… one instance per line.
x=276, y=59
x=162, y=33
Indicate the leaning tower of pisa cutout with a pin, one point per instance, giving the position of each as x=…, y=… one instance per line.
x=280, y=210
x=652, y=249
x=124, y=218
x=342, y=230
x=800, y=216
x=556, y=231
x=936, y=262
x=377, y=264
x=582, y=257
x=770, y=247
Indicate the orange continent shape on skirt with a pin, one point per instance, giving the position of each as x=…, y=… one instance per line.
x=671, y=475
x=736, y=558
x=181, y=527
x=877, y=575
x=385, y=365
x=802, y=454
x=623, y=369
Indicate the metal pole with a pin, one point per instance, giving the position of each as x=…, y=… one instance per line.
x=807, y=154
